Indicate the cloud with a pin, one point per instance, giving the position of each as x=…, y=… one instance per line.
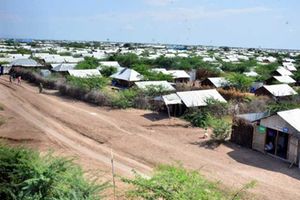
x=202, y=13
x=159, y=2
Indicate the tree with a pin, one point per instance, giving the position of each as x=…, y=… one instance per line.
x=88, y=63
x=240, y=81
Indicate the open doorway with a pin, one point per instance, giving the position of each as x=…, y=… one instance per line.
x=277, y=143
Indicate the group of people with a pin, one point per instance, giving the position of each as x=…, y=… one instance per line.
x=13, y=77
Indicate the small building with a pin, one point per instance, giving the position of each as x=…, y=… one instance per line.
x=114, y=64
x=179, y=76
x=126, y=77
x=164, y=86
x=215, y=82
x=281, y=79
x=277, y=135
x=277, y=91
x=281, y=71
x=197, y=98
x=26, y=63
x=62, y=68
x=84, y=73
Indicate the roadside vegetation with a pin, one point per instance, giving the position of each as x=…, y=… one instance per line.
x=26, y=174
x=175, y=182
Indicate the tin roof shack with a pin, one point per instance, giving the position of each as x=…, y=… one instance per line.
x=215, y=82
x=126, y=77
x=280, y=79
x=84, y=73
x=279, y=135
x=279, y=91
x=62, y=68
x=243, y=127
x=26, y=63
x=179, y=76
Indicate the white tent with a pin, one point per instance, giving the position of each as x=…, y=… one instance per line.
x=127, y=74
x=199, y=97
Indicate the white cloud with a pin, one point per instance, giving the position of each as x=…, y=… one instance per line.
x=202, y=13
x=159, y=2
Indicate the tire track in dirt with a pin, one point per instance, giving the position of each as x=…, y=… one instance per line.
x=70, y=138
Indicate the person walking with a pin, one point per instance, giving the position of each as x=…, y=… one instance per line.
x=40, y=87
x=10, y=78
x=19, y=80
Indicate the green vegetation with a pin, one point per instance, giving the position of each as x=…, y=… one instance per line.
x=126, y=60
x=27, y=175
x=171, y=182
x=88, y=63
x=65, y=53
x=91, y=83
x=213, y=115
x=125, y=98
x=244, y=66
x=240, y=81
x=108, y=71
x=145, y=70
x=281, y=106
x=265, y=71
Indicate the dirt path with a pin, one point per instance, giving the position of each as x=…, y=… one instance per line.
x=141, y=139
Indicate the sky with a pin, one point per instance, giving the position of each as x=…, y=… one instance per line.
x=237, y=23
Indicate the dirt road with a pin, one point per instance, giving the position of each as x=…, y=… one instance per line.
x=139, y=139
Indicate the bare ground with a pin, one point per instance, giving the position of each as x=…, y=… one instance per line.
x=139, y=139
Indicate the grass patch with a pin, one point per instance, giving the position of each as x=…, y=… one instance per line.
x=25, y=174
x=172, y=182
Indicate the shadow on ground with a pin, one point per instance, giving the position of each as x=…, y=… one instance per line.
x=254, y=158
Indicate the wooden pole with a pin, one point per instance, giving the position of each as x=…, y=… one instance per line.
x=113, y=173
x=168, y=111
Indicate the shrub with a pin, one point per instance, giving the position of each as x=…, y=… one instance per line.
x=108, y=71
x=93, y=82
x=221, y=129
x=170, y=182
x=240, y=81
x=233, y=94
x=88, y=63
x=25, y=174
x=124, y=99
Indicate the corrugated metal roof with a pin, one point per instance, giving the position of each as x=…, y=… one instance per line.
x=24, y=62
x=284, y=72
x=110, y=64
x=252, y=117
x=292, y=117
x=280, y=90
x=171, y=99
x=166, y=86
x=284, y=79
x=219, y=81
x=127, y=75
x=63, y=67
x=84, y=73
x=199, y=97
x=178, y=73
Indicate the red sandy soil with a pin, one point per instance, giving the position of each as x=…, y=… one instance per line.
x=140, y=140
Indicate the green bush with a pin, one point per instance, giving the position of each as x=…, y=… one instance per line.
x=170, y=182
x=88, y=63
x=93, y=82
x=124, y=98
x=108, y=71
x=27, y=175
x=240, y=81
x=221, y=129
